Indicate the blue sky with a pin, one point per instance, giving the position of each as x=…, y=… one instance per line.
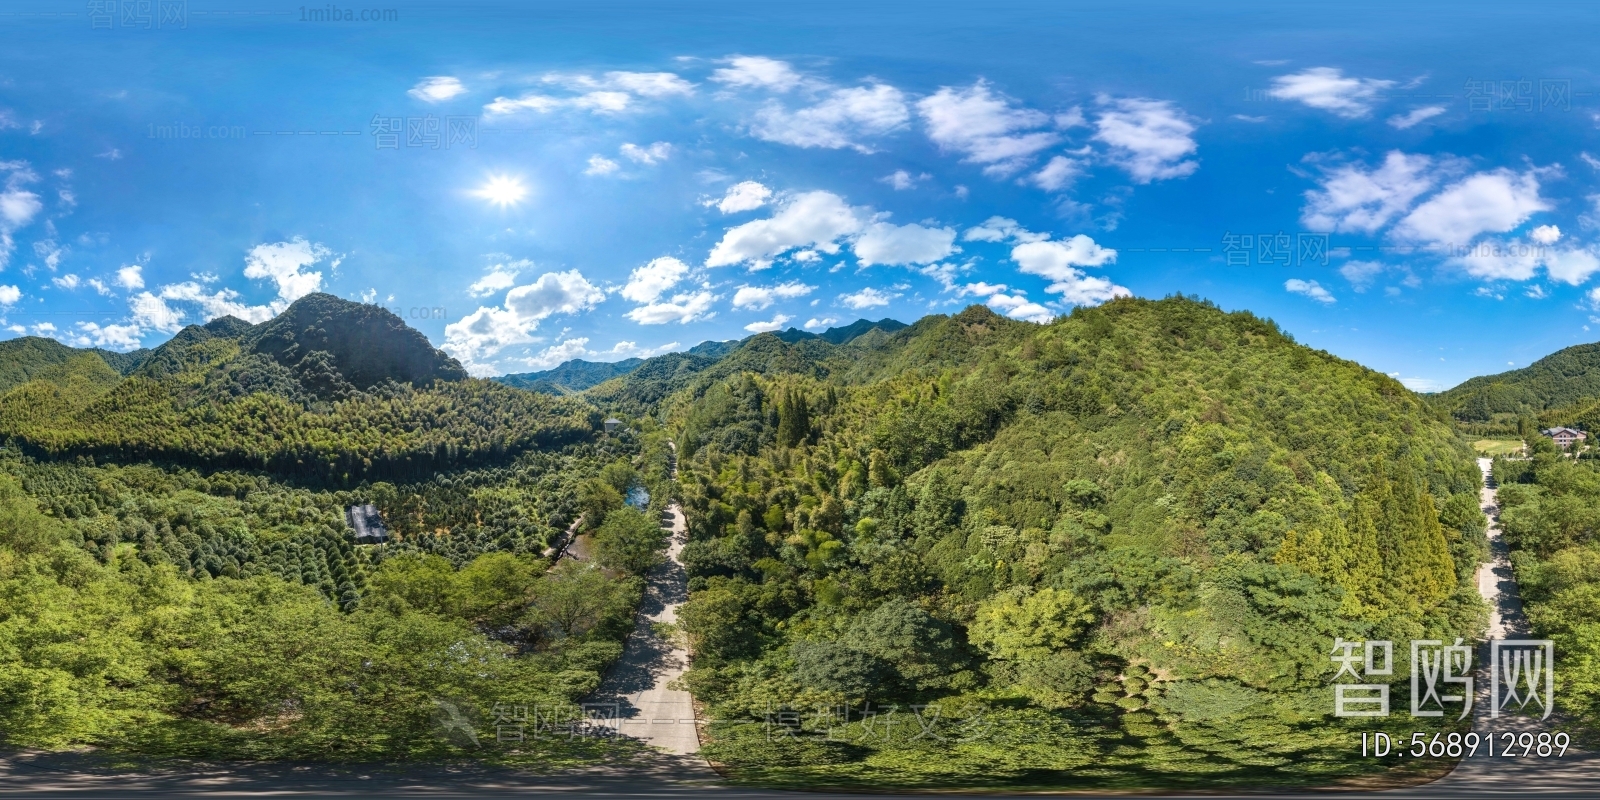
x=610, y=179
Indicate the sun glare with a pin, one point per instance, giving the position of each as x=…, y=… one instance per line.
x=503, y=190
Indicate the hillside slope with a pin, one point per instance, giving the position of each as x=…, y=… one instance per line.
x=571, y=376
x=1081, y=515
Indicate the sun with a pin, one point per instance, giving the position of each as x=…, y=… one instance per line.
x=503, y=190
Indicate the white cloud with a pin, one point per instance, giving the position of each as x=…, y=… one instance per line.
x=1360, y=274
x=1018, y=306
x=482, y=334
x=111, y=337
x=622, y=350
x=742, y=196
x=603, y=102
x=775, y=324
x=1416, y=116
x=578, y=347
x=981, y=289
x=841, y=119
x=1572, y=266
x=1590, y=160
x=1545, y=234
x=50, y=250
x=650, y=281
x=131, y=277
x=867, y=298
x=760, y=297
x=1328, y=89
x=99, y=286
x=1059, y=174
x=816, y=323
x=900, y=180
x=1421, y=384
x=150, y=311
x=1087, y=290
x=437, y=89
x=68, y=281
x=1000, y=229
x=221, y=303
x=1059, y=262
x=1310, y=289
x=1151, y=139
x=648, y=84
x=683, y=309
x=612, y=93
x=1488, y=202
x=813, y=219
x=499, y=278
x=648, y=155
x=9, y=295
x=44, y=328
x=1352, y=198
x=1056, y=260
x=756, y=72
x=883, y=243
x=985, y=128
x=530, y=102
x=18, y=206
x=559, y=353
x=600, y=165
x=1536, y=292
x=283, y=263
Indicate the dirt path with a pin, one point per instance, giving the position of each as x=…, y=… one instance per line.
x=639, y=683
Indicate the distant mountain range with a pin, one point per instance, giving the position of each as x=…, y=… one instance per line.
x=577, y=375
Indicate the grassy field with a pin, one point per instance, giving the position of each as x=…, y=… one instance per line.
x=1497, y=447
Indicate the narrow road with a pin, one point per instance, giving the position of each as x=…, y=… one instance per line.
x=639, y=683
x=1576, y=772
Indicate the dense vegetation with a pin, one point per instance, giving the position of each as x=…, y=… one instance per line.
x=1109, y=551
x=212, y=603
x=1550, y=516
x=1140, y=527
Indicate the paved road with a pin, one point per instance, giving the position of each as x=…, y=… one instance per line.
x=638, y=683
x=1575, y=772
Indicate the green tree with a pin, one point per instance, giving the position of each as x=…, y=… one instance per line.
x=1020, y=624
x=629, y=540
x=596, y=500
x=570, y=600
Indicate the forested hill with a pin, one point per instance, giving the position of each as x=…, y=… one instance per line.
x=1150, y=484
x=577, y=375
x=29, y=357
x=1563, y=386
x=329, y=390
